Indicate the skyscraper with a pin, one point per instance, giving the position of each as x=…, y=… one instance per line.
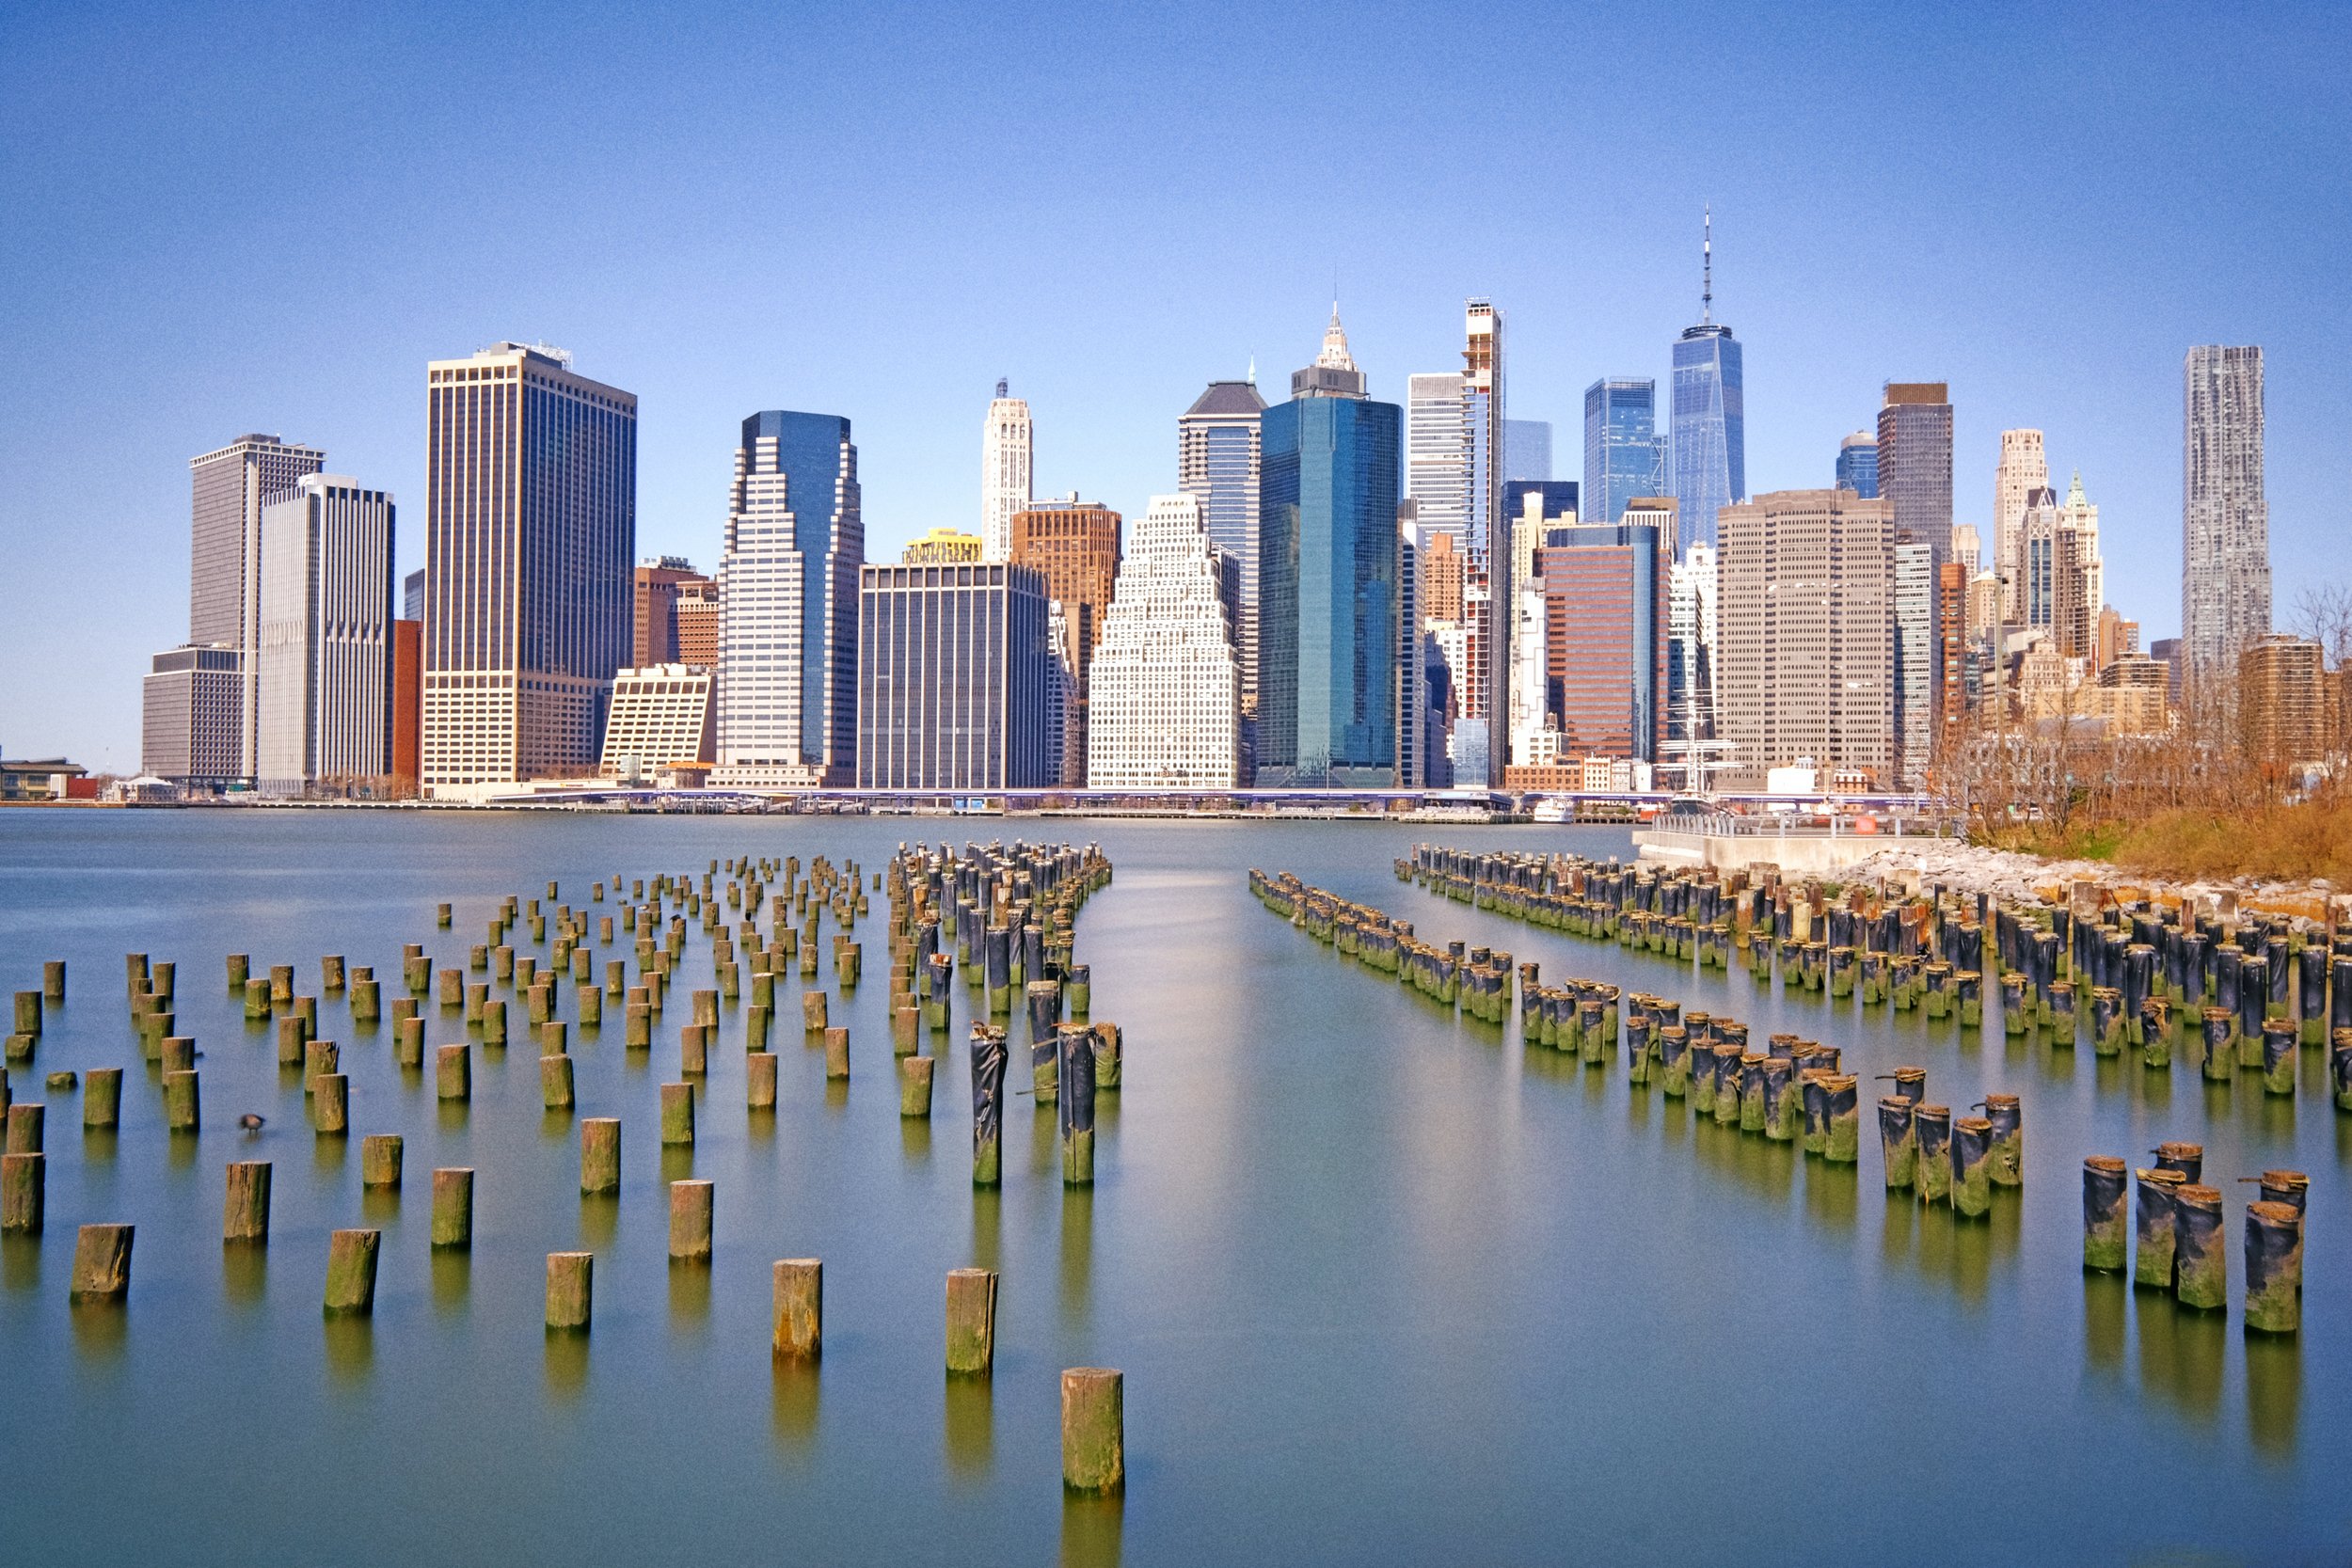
x=655, y=588
x=1074, y=546
x=1218, y=460
x=787, y=605
x=1327, y=561
x=1437, y=454
x=1526, y=450
x=324, y=687
x=1691, y=586
x=1605, y=614
x=1489, y=529
x=1805, y=640
x=1915, y=461
x=1711, y=464
x=1858, y=464
x=953, y=674
x=1917, y=664
x=1007, y=471
x=1624, y=456
x=2023, y=471
x=189, y=729
x=1164, y=706
x=2225, y=520
x=530, y=524
x=231, y=488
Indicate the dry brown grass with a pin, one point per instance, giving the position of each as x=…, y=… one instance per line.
x=2274, y=843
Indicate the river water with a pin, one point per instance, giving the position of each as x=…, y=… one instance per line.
x=1385, y=1289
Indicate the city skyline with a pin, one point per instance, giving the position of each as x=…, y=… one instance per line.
x=2069, y=331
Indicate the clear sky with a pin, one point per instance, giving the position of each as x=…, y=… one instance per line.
x=218, y=219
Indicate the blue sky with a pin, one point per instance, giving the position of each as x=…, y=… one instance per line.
x=221, y=219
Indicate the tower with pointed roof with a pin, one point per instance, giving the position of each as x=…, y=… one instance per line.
x=1708, y=460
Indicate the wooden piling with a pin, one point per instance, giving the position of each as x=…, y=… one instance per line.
x=453, y=1072
x=53, y=980
x=677, y=1115
x=330, y=1105
x=2201, y=1261
x=22, y=1192
x=837, y=1052
x=2154, y=1242
x=689, y=1221
x=2274, y=1268
x=351, y=1272
x=811, y=1010
x=181, y=1109
x=452, y=1206
x=555, y=1082
x=799, y=1309
x=379, y=1160
x=101, y=1263
x=1093, y=1430
x=101, y=1097
x=245, y=1207
x=408, y=1043
x=759, y=1080
x=971, y=1321
x=600, y=1155
x=571, y=1291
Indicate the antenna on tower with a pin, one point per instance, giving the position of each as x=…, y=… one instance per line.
x=1706, y=265
x=1001, y=388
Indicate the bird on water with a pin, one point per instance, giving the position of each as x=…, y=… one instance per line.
x=250, y=1121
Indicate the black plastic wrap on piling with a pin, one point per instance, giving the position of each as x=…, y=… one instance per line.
x=2105, y=1221
x=988, y=1090
x=2187, y=1158
x=1898, y=1139
x=1076, y=1098
x=2155, y=1228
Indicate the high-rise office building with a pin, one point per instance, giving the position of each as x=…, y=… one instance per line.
x=655, y=589
x=408, y=702
x=2284, y=699
x=1218, y=460
x=1526, y=450
x=1412, y=682
x=1858, y=464
x=412, y=595
x=1437, y=454
x=326, y=651
x=1074, y=546
x=1327, y=562
x=1805, y=635
x=1007, y=471
x=1709, y=466
x=1605, y=614
x=1967, y=546
x=663, y=722
x=191, y=702
x=1915, y=461
x=230, y=488
x=1164, y=698
x=2225, y=516
x=700, y=621
x=1692, y=585
x=1918, y=671
x=787, y=606
x=2082, y=585
x=1624, y=455
x=954, y=678
x=2023, y=469
x=530, y=524
x=1489, y=528
x=1951, y=632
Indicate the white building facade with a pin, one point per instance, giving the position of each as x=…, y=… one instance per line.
x=323, y=688
x=661, y=722
x=1008, y=470
x=1164, y=682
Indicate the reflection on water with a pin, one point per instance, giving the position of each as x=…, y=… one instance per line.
x=330, y=1154
x=350, y=1347
x=567, y=1364
x=1940, y=1244
x=1077, y=1253
x=600, y=1221
x=914, y=1139
x=244, y=1274
x=970, y=1425
x=452, y=1279
x=987, y=1227
x=2104, y=1296
x=20, y=1262
x=1090, y=1530
x=1833, y=1194
x=690, y=1294
x=99, y=1144
x=2274, y=1392
x=100, y=1330
x=2180, y=1354
x=797, y=1388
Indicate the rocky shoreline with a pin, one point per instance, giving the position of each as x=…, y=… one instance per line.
x=2005, y=874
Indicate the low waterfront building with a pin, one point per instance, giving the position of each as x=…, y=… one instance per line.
x=661, y=723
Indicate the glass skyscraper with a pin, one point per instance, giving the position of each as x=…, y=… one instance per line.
x=1858, y=464
x=1327, y=580
x=1217, y=459
x=1623, y=454
x=1710, y=463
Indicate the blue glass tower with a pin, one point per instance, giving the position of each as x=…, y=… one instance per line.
x=1858, y=464
x=1332, y=474
x=1623, y=454
x=1710, y=466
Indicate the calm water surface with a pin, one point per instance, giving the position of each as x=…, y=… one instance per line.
x=1385, y=1288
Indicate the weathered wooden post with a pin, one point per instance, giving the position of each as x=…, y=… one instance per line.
x=1093, y=1430
x=914, y=1085
x=101, y=1263
x=453, y=1072
x=689, y=1221
x=2153, y=1243
x=245, y=1205
x=837, y=1052
x=677, y=1115
x=2105, y=1224
x=182, y=1112
x=101, y=1097
x=1075, y=1046
x=555, y=1082
x=1971, y=1175
x=330, y=1104
x=600, y=1155
x=971, y=1321
x=22, y=1192
x=351, y=1272
x=571, y=1291
x=2008, y=1118
x=800, y=1309
x=379, y=1160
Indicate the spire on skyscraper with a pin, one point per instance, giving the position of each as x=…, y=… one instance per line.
x=1335, y=355
x=1707, y=265
x=1003, y=387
